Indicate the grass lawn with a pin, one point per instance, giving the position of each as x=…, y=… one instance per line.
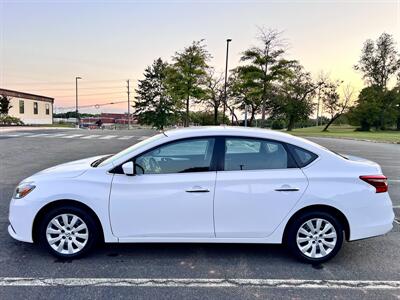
x=347, y=131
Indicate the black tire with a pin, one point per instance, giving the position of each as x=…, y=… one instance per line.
x=291, y=236
x=92, y=230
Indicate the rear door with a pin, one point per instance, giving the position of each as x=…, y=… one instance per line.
x=259, y=185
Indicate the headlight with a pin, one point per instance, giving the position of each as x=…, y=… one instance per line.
x=23, y=189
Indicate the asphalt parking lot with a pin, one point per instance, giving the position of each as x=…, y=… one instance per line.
x=260, y=271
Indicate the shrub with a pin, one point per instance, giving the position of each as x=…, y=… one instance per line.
x=8, y=120
x=278, y=124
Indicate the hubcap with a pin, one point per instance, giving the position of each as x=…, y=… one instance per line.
x=67, y=234
x=316, y=238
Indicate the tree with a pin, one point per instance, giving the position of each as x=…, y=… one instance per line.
x=294, y=98
x=378, y=63
x=244, y=92
x=5, y=104
x=214, y=92
x=366, y=112
x=266, y=63
x=333, y=103
x=153, y=103
x=188, y=74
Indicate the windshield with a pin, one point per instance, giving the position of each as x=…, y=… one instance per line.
x=130, y=149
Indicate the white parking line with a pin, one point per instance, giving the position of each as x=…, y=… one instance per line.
x=143, y=138
x=203, y=283
x=107, y=137
x=126, y=137
x=90, y=136
x=38, y=135
x=72, y=136
x=56, y=135
x=12, y=135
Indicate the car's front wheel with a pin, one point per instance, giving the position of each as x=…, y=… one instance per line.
x=68, y=232
x=315, y=237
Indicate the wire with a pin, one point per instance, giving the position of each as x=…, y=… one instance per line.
x=95, y=94
x=94, y=105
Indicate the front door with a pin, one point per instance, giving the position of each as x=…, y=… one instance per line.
x=258, y=187
x=171, y=194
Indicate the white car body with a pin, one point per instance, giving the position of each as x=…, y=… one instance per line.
x=240, y=207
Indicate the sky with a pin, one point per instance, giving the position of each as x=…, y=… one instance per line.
x=44, y=45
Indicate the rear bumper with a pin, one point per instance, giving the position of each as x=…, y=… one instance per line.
x=373, y=221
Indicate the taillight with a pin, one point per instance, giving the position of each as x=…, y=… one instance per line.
x=378, y=181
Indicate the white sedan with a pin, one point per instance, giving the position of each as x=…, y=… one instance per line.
x=208, y=185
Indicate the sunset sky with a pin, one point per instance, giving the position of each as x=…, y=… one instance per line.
x=45, y=44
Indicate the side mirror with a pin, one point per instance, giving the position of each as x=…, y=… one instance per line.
x=128, y=168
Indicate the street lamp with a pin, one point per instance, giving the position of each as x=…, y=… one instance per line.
x=76, y=98
x=226, y=77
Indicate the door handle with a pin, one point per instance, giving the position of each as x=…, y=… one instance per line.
x=289, y=189
x=197, y=189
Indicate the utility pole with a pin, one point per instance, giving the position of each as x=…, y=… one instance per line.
x=245, y=115
x=319, y=97
x=226, y=78
x=76, y=101
x=129, y=106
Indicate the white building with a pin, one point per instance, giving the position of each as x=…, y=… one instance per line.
x=30, y=108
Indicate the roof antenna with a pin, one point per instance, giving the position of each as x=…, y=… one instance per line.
x=163, y=132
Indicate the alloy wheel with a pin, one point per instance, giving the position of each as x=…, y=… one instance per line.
x=67, y=233
x=316, y=238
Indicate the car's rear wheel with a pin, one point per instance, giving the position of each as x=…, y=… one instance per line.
x=315, y=237
x=68, y=232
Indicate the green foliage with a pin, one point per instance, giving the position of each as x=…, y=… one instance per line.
x=245, y=92
x=154, y=105
x=376, y=106
x=379, y=61
x=334, y=104
x=214, y=94
x=5, y=104
x=373, y=106
x=293, y=101
x=8, y=120
x=278, y=124
x=264, y=66
x=72, y=114
x=205, y=118
x=187, y=74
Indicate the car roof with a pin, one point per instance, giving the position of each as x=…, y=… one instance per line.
x=240, y=131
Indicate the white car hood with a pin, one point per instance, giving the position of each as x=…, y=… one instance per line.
x=66, y=170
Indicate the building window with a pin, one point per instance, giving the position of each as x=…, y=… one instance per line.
x=47, y=109
x=35, y=108
x=21, y=106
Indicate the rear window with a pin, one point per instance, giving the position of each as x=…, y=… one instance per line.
x=302, y=156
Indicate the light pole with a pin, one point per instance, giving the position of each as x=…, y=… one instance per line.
x=76, y=99
x=226, y=77
x=129, y=105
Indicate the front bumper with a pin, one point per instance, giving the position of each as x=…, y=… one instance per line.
x=13, y=234
x=21, y=217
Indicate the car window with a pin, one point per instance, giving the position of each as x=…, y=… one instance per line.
x=254, y=154
x=303, y=157
x=192, y=155
x=112, y=158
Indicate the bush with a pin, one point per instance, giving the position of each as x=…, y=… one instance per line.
x=278, y=124
x=8, y=120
